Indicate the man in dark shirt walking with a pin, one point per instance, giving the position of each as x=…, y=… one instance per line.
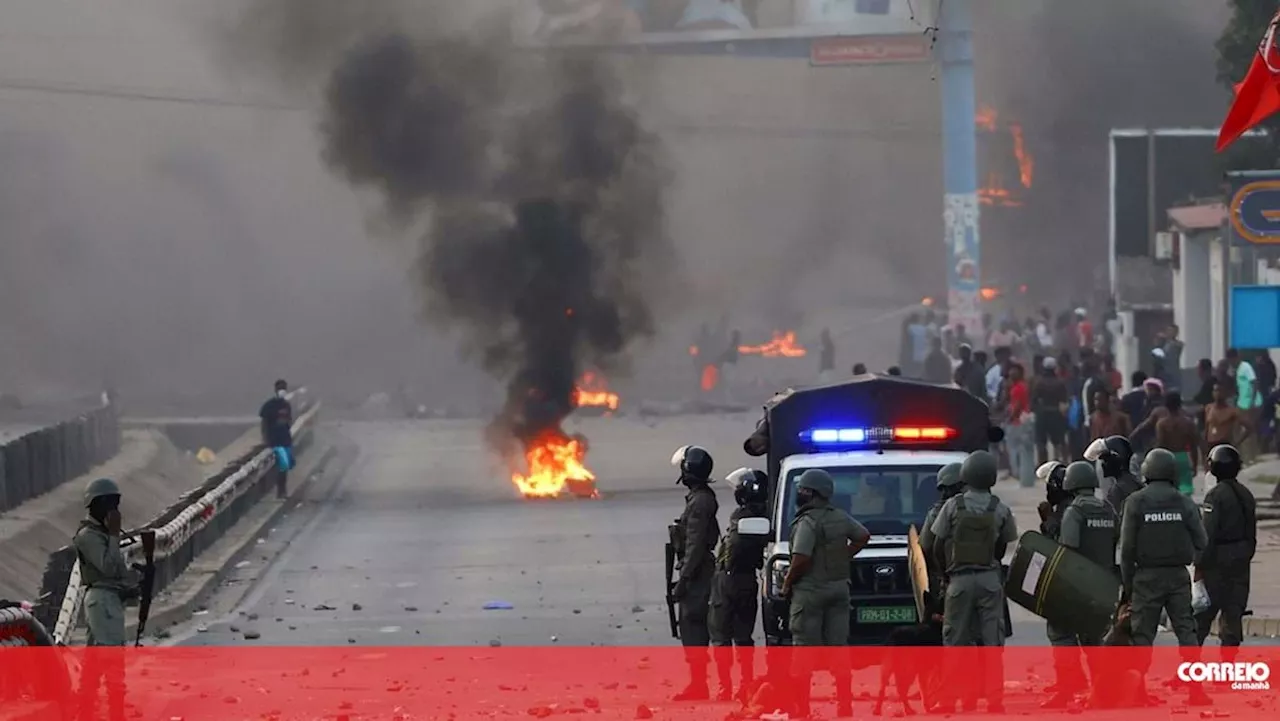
x=937, y=365
x=277, y=433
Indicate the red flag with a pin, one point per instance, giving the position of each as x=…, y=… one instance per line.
x=1258, y=97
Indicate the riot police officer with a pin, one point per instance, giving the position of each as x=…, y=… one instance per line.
x=949, y=486
x=1161, y=533
x=108, y=581
x=735, y=591
x=823, y=539
x=1115, y=455
x=973, y=531
x=1090, y=528
x=1231, y=525
x=1055, y=500
x=695, y=535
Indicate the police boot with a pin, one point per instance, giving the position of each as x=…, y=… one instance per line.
x=724, y=672
x=844, y=697
x=800, y=692
x=746, y=667
x=697, y=689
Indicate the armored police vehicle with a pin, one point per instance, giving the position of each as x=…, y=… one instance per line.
x=883, y=439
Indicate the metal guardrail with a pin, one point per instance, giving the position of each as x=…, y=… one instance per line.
x=184, y=530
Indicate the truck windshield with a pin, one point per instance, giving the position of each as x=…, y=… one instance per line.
x=885, y=499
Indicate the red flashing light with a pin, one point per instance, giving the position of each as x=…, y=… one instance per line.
x=910, y=433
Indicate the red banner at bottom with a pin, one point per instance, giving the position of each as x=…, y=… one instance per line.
x=275, y=684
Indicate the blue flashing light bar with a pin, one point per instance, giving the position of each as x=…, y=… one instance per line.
x=897, y=434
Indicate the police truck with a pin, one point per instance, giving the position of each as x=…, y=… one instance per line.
x=883, y=439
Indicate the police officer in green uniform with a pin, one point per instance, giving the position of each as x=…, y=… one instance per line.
x=695, y=535
x=823, y=539
x=973, y=530
x=1231, y=525
x=735, y=592
x=949, y=486
x=1161, y=533
x=108, y=581
x=1090, y=528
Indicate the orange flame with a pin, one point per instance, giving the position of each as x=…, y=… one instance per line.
x=987, y=118
x=710, y=377
x=783, y=344
x=555, y=464
x=592, y=391
x=995, y=193
x=693, y=351
x=1026, y=163
x=990, y=293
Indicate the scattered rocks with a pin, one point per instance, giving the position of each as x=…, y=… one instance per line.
x=357, y=607
x=202, y=628
x=637, y=609
x=252, y=635
x=494, y=643
x=252, y=617
x=411, y=609
x=643, y=712
x=323, y=607
x=577, y=611
x=235, y=629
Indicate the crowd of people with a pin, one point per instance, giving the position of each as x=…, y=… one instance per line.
x=1053, y=386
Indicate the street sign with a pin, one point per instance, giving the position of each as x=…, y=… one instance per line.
x=1255, y=211
x=681, y=25
x=1255, y=316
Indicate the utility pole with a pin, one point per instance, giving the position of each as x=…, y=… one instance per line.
x=960, y=166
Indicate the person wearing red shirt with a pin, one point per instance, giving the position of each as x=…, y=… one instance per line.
x=1020, y=428
x=1084, y=328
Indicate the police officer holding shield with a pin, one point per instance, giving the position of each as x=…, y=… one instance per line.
x=973, y=531
x=1090, y=528
x=1161, y=533
x=108, y=581
x=694, y=535
x=823, y=539
x=1231, y=525
x=735, y=591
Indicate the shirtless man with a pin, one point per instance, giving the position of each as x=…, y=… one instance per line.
x=1177, y=433
x=1222, y=419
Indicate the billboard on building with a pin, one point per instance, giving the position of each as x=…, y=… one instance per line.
x=646, y=22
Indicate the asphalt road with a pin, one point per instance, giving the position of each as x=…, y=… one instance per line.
x=424, y=531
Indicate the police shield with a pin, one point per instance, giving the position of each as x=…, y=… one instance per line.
x=1062, y=586
x=919, y=573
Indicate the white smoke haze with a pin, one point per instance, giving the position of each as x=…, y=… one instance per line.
x=192, y=251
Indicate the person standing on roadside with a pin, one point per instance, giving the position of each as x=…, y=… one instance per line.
x=937, y=366
x=1248, y=399
x=1020, y=433
x=1177, y=433
x=277, y=433
x=1049, y=402
x=826, y=357
x=1106, y=421
x=1224, y=424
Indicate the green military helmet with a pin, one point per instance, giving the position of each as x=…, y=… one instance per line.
x=979, y=470
x=1159, y=465
x=949, y=475
x=100, y=488
x=818, y=481
x=1080, y=476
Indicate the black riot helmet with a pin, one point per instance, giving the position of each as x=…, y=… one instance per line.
x=1054, y=475
x=750, y=486
x=1225, y=462
x=694, y=463
x=1114, y=453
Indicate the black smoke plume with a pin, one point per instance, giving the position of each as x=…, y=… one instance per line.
x=541, y=197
